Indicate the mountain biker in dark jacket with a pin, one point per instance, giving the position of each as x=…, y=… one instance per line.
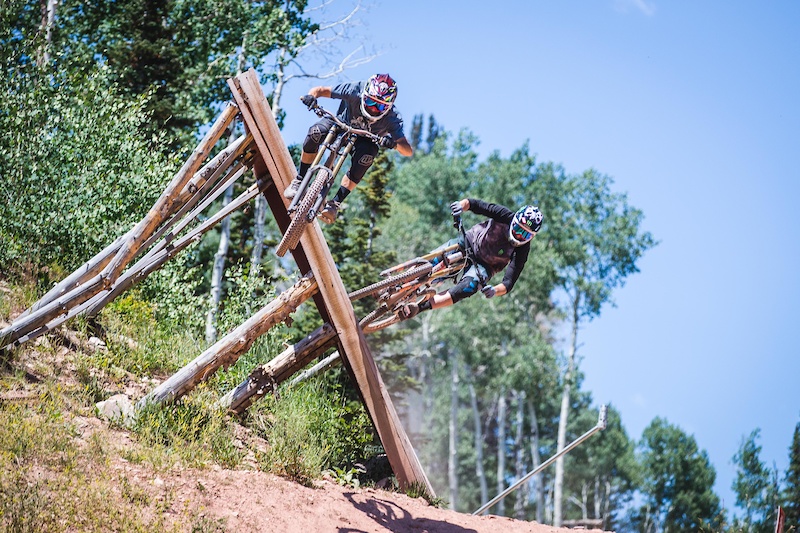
x=501, y=242
x=366, y=105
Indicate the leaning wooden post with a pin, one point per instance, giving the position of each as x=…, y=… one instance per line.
x=265, y=378
x=165, y=205
x=228, y=349
x=261, y=123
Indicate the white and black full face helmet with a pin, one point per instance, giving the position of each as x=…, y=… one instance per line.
x=526, y=223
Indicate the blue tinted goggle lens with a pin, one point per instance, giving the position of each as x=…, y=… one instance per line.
x=521, y=234
x=380, y=106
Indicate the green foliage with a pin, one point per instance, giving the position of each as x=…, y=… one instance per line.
x=346, y=477
x=419, y=490
x=77, y=172
x=791, y=494
x=182, y=50
x=309, y=429
x=139, y=342
x=678, y=482
x=755, y=487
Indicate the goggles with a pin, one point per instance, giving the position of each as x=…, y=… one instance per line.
x=520, y=233
x=379, y=106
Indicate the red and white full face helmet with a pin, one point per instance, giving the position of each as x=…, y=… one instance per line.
x=378, y=96
x=527, y=221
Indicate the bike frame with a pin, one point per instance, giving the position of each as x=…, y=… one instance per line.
x=339, y=151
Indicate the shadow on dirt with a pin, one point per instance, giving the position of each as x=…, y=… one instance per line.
x=394, y=518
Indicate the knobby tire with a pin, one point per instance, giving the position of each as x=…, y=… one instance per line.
x=295, y=230
x=374, y=314
x=392, y=280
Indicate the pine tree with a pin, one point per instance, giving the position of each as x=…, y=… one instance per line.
x=791, y=493
x=678, y=481
x=754, y=487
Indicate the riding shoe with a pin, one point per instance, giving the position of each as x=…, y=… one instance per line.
x=293, y=187
x=409, y=310
x=328, y=214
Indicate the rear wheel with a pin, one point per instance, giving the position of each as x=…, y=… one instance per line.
x=295, y=230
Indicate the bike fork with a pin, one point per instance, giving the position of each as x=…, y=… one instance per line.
x=323, y=194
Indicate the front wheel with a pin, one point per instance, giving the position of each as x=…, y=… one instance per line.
x=295, y=230
x=397, y=279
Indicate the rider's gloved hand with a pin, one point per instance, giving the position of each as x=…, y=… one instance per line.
x=387, y=142
x=309, y=101
x=488, y=291
x=456, y=208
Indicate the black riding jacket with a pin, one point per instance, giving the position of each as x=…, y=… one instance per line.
x=491, y=245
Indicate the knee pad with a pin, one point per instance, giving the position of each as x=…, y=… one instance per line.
x=316, y=134
x=464, y=289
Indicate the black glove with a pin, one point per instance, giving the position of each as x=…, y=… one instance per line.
x=387, y=142
x=488, y=291
x=309, y=101
x=456, y=209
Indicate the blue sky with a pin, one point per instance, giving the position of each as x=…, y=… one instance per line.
x=692, y=108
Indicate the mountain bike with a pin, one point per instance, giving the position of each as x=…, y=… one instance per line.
x=318, y=180
x=414, y=281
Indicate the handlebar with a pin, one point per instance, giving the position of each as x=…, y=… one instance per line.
x=322, y=113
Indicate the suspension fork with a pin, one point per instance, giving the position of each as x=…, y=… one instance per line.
x=337, y=166
x=325, y=146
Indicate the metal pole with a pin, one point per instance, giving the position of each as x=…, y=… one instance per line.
x=601, y=424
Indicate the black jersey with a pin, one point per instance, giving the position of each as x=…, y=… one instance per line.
x=491, y=244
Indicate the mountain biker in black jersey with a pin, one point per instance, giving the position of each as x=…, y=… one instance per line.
x=501, y=242
x=366, y=105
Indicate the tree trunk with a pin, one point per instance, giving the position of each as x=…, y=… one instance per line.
x=536, y=481
x=452, y=456
x=501, y=450
x=48, y=8
x=519, y=452
x=562, y=420
x=476, y=421
x=219, y=270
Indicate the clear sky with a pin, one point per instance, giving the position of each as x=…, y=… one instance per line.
x=694, y=109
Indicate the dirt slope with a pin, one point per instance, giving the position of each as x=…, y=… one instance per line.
x=244, y=501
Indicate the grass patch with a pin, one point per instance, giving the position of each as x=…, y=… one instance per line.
x=309, y=429
x=191, y=431
x=51, y=483
x=139, y=344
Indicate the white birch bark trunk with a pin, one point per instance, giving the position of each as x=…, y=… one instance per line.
x=452, y=456
x=519, y=451
x=218, y=271
x=558, y=481
x=476, y=421
x=537, y=487
x=501, y=450
x=48, y=21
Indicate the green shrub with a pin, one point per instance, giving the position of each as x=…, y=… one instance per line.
x=310, y=429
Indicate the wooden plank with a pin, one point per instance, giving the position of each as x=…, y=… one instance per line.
x=227, y=350
x=401, y=455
